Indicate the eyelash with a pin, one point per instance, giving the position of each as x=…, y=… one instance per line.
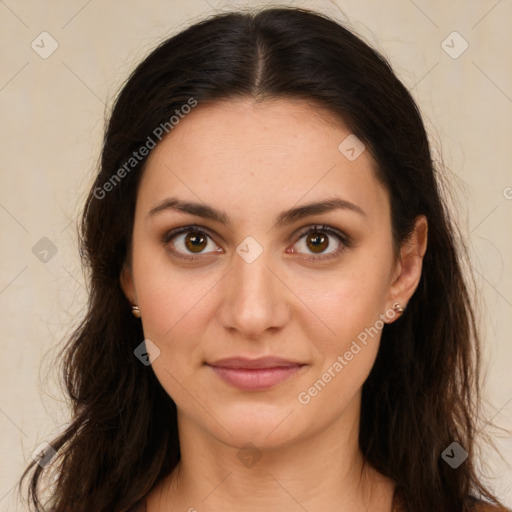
x=345, y=241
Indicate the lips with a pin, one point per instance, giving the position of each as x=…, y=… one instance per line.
x=255, y=374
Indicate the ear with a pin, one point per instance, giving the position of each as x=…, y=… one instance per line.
x=126, y=281
x=409, y=265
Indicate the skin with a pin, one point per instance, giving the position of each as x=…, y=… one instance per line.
x=254, y=160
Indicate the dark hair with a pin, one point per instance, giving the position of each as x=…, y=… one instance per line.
x=423, y=391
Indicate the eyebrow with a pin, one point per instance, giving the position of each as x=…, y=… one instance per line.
x=283, y=219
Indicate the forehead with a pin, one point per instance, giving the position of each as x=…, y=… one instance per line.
x=253, y=156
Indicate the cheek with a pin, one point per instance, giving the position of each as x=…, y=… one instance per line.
x=174, y=317
x=350, y=348
x=168, y=297
x=345, y=352
x=351, y=304
x=348, y=301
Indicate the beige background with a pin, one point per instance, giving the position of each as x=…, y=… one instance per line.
x=52, y=117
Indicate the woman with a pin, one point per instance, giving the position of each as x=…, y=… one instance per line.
x=277, y=319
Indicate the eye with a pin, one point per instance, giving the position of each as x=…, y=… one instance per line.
x=189, y=241
x=193, y=242
x=317, y=239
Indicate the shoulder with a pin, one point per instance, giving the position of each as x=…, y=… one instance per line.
x=473, y=504
x=140, y=506
x=482, y=506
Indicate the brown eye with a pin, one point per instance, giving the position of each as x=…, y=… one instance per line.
x=316, y=240
x=188, y=241
x=195, y=242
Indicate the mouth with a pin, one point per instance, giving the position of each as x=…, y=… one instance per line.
x=255, y=374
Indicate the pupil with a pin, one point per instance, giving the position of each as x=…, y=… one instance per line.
x=195, y=242
x=319, y=242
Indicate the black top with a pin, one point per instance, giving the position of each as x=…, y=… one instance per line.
x=140, y=506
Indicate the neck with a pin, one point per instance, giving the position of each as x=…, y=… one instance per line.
x=325, y=472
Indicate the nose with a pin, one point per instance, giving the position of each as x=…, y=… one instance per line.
x=254, y=298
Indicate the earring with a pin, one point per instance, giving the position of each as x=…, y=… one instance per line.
x=398, y=307
x=136, y=311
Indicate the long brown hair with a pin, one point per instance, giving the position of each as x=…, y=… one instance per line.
x=423, y=391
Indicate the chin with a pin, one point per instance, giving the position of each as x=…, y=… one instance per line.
x=265, y=425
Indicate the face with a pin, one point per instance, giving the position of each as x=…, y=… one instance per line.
x=267, y=316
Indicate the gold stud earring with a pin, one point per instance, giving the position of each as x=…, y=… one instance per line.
x=398, y=307
x=136, y=311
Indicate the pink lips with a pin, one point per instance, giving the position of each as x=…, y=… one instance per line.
x=254, y=374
